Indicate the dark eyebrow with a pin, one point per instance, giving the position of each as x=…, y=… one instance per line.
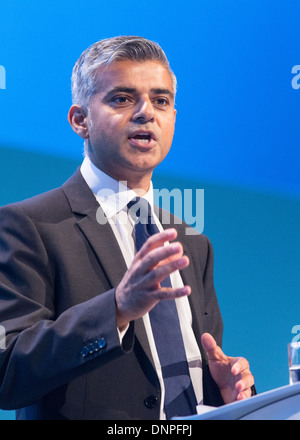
x=122, y=89
x=163, y=92
x=119, y=89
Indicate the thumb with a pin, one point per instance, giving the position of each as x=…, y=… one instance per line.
x=213, y=351
x=208, y=342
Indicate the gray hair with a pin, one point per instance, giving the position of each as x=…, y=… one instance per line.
x=103, y=53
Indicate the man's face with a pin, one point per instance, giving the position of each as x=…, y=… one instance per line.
x=131, y=119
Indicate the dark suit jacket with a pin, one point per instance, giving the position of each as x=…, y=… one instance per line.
x=58, y=273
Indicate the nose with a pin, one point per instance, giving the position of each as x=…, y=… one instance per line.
x=144, y=111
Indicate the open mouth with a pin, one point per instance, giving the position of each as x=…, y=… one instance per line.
x=142, y=138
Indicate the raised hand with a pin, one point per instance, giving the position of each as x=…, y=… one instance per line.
x=140, y=288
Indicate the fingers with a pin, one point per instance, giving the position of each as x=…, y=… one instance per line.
x=154, y=262
x=244, y=393
x=154, y=276
x=140, y=289
x=159, y=256
x=239, y=365
x=160, y=263
x=245, y=379
x=156, y=241
x=243, y=388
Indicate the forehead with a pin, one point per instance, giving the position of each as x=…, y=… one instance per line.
x=144, y=75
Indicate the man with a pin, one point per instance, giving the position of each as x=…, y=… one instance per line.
x=76, y=293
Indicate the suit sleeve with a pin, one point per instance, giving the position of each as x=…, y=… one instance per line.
x=39, y=351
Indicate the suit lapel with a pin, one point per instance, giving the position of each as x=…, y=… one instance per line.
x=105, y=245
x=100, y=236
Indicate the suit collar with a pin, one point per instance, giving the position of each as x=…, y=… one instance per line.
x=113, y=195
x=79, y=195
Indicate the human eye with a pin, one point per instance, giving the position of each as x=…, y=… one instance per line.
x=120, y=100
x=161, y=102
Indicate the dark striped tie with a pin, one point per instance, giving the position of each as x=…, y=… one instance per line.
x=180, y=399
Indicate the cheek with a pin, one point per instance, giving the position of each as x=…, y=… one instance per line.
x=106, y=123
x=168, y=134
x=104, y=133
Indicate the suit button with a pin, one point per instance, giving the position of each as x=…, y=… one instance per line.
x=84, y=351
x=150, y=401
x=100, y=344
x=93, y=346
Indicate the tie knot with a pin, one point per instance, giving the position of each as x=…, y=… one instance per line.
x=140, y=210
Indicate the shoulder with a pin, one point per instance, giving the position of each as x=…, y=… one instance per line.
x=50, y=205
x=46, y=205
x=22, y=223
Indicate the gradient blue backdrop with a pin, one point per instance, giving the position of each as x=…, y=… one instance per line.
x=237, y=136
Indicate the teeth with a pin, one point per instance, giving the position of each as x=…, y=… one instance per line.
x=144, y=138
x=144, y=141
x=142, y=135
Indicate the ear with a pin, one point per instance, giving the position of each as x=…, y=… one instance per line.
x=77, y=118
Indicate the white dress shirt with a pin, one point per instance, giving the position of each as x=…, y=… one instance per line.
x=113, y=196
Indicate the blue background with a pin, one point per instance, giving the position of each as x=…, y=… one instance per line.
x=237, y=136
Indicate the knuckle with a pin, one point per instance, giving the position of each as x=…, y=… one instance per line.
x=152, y=275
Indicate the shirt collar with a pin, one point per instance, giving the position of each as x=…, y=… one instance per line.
x=112, y=195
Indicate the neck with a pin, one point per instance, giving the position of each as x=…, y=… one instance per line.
x=140, y=186
x=134, y=180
